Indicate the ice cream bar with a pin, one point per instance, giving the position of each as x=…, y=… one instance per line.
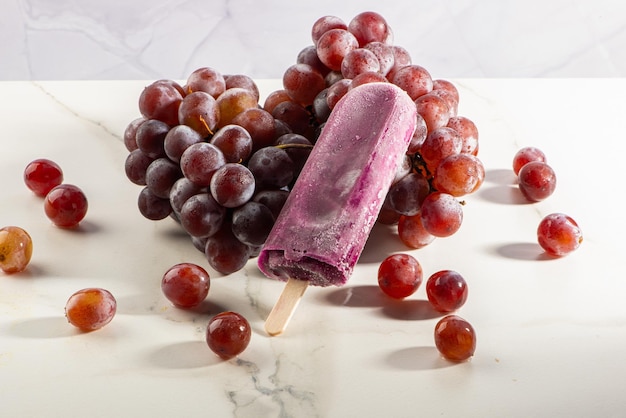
x=328, y=216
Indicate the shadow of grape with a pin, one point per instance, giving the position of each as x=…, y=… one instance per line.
x=502, y=176
x=44, y=327
x=522, y=251
x=184, y=355
x=411, y=310
x=417, y=358
x=503, y=194
x=370, y=296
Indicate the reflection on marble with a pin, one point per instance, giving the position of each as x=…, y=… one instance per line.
x=147, y=39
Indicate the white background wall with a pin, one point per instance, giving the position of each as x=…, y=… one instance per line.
x=148, y=39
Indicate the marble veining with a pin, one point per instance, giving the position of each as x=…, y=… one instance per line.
x=148, y=39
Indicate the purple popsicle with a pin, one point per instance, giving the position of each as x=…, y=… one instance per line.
x=329, y=214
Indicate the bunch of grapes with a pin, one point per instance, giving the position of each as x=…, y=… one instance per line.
x=209, y=155
x=441, y=163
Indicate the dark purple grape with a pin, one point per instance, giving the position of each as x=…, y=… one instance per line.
x=297, y=147
x=201, y=215
x=272, y=168
x=406, y=196
x=273, y=199
x=130, y=133
x=294, y=115
x=182, y=190
x=136, y=165
x=178, y=139
x=252, y=223
x=232, y=185
x=153, y=207
x=321, y=110
x=150, y=136
x=225, y=253
x=161, y=176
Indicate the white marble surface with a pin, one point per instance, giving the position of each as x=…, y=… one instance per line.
x=149, y=39
x=550, y=332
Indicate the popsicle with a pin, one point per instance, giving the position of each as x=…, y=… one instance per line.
x=320, y=233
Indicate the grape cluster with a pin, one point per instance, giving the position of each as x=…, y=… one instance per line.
x=441, y=163
x=209, y=155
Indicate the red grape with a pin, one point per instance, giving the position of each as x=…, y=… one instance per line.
x=337, y=91
x=446, y=290
x=459, y=174
x=90, y=309
x=200, y=161
x=199, y=110
x=559, y=234
x=412, y=233
x=384, y=53
x=186, y=285
x=161, y=100
x=232, y=102
x=369, y=27
x=467, y=131
x=537, y=181
x=228, y=334
x=526, y=155
x=334, y=45
x=242, y=81
x=65, y=205
x=434, y=110
x=399, y=275
x=439, y=144
x=413, y=79
x=235, y=143
x=207, y=80
x=16, y=249
x=324, y=24
x=302, y=82
x=359, y=61
x=455, y=338
x=42, y=175
x=442, y=214
x=259, y=123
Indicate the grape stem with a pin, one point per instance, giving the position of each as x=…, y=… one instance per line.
x=285, y=146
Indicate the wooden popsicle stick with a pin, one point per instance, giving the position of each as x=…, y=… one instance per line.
x=285, y=306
